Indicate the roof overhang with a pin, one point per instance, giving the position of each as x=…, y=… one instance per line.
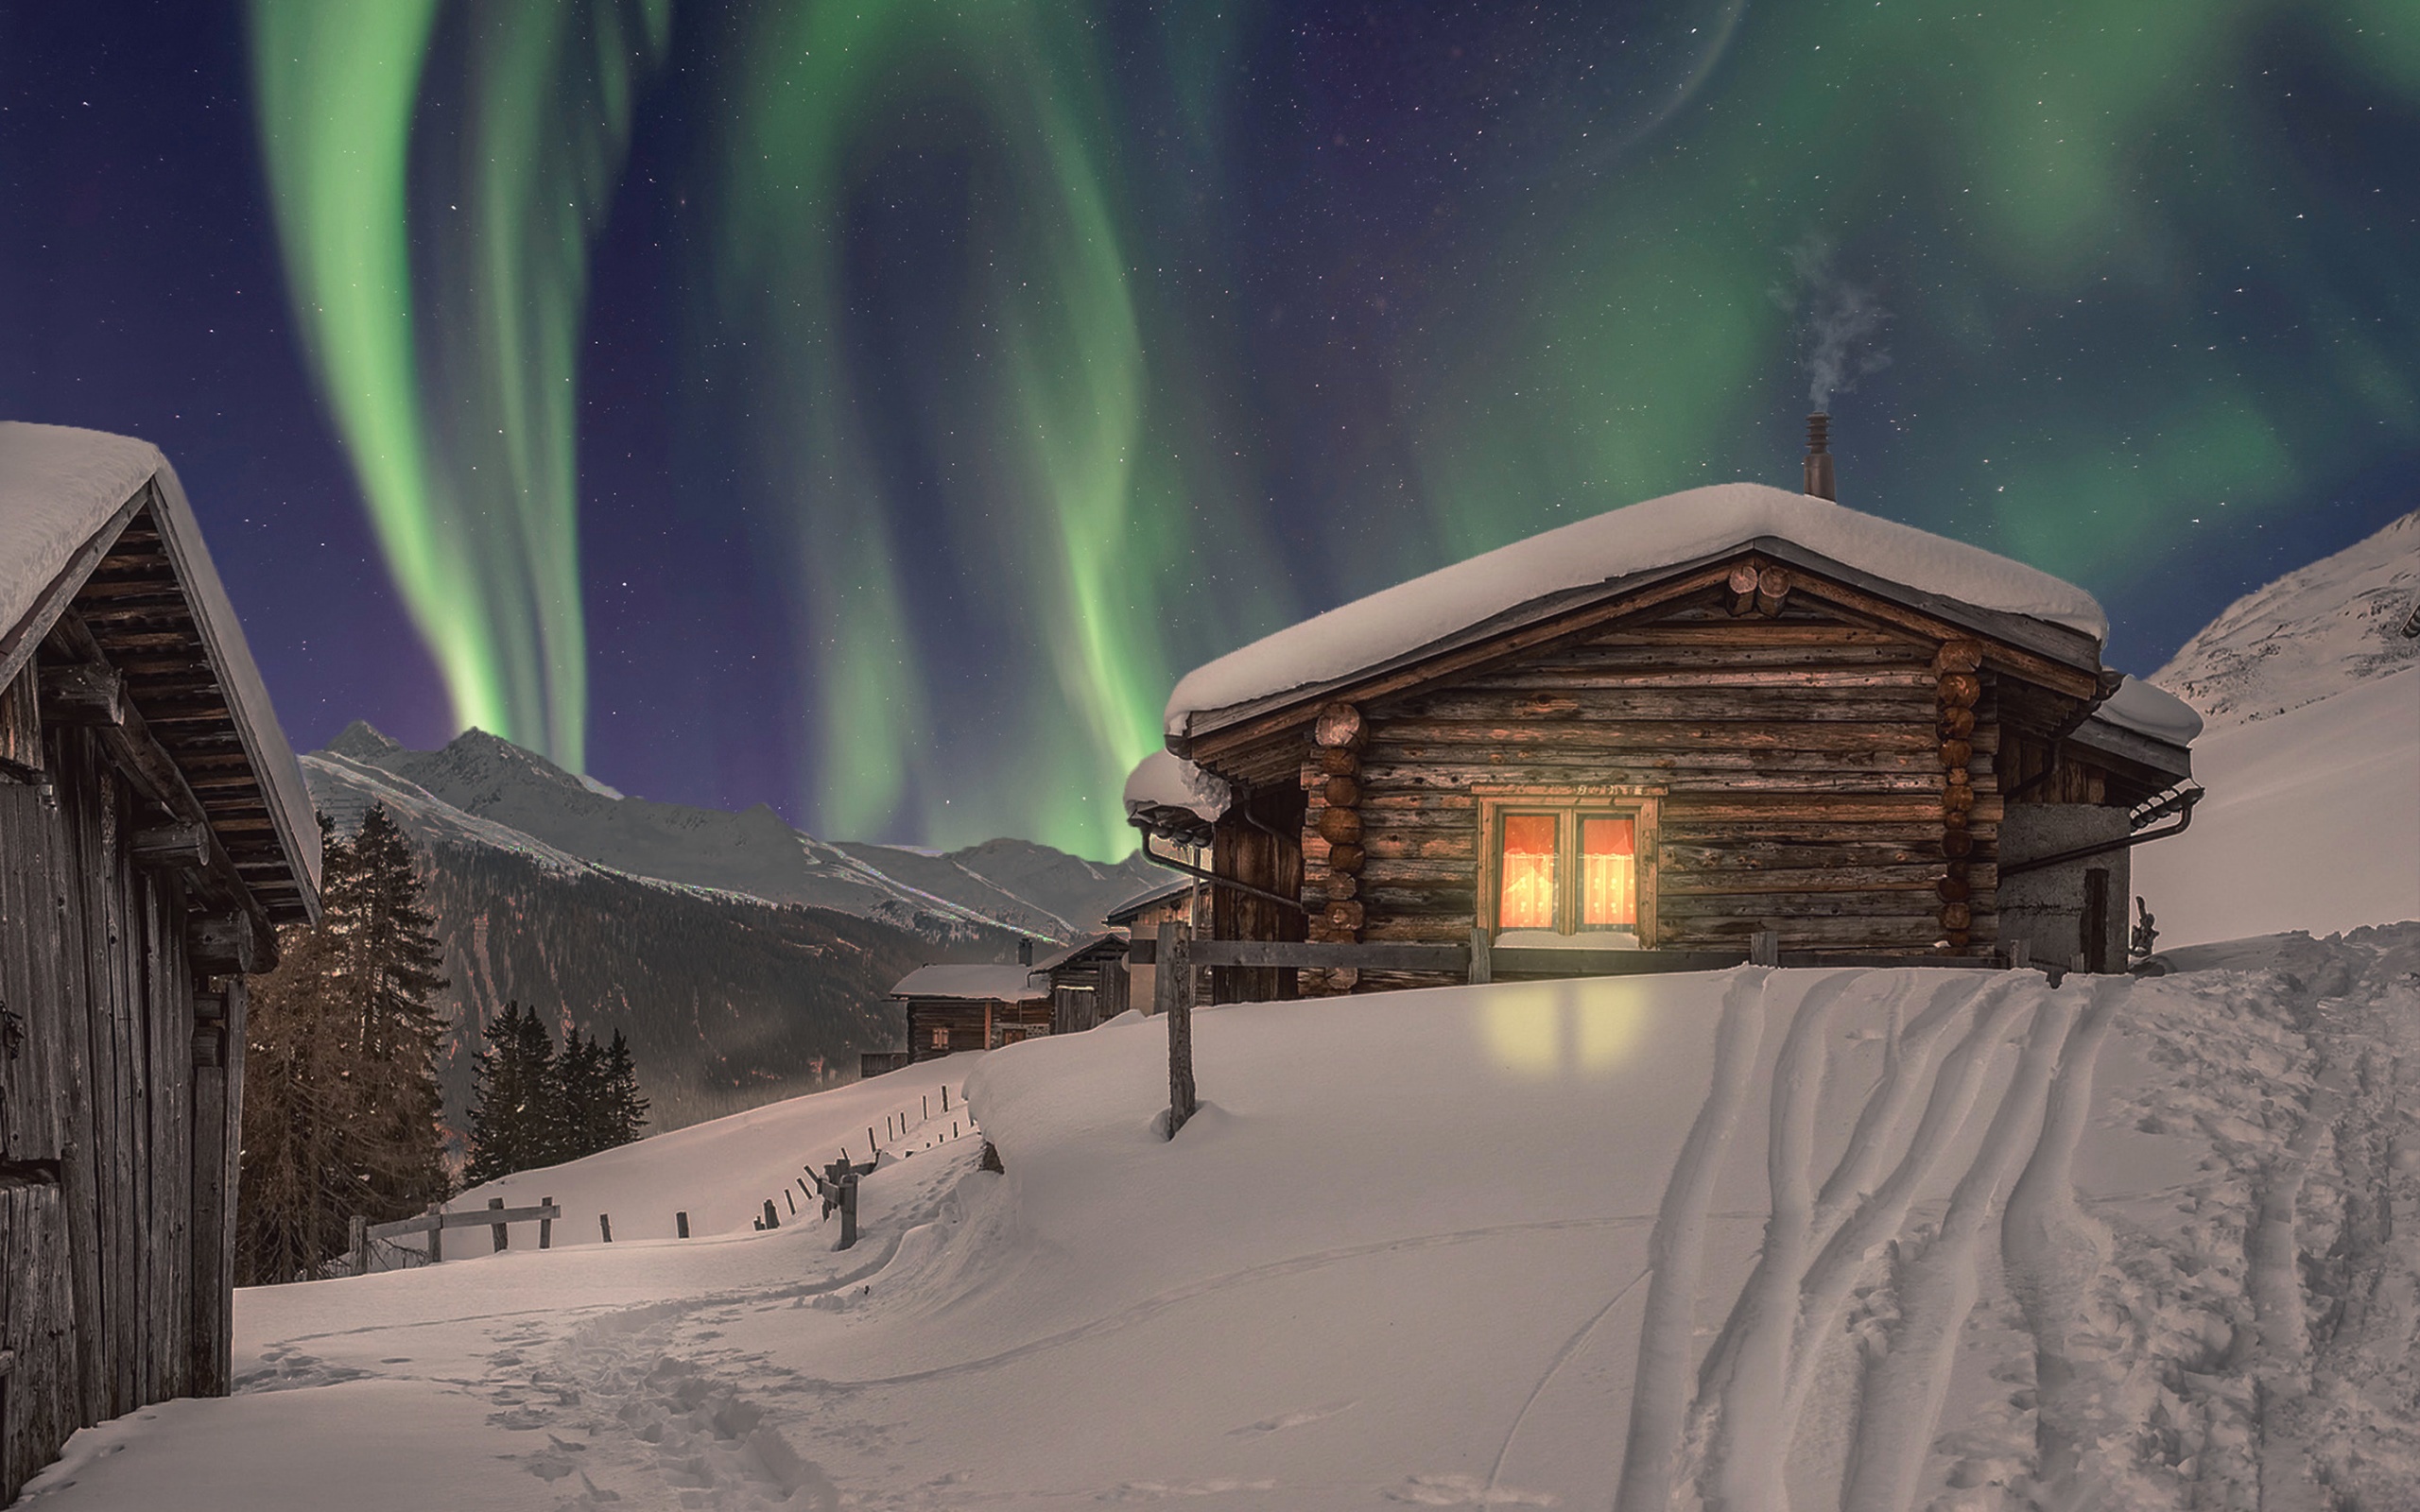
x=135, y=588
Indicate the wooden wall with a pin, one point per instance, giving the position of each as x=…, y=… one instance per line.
x=970, y=1021
x=1795, y=762
x=98, y=1248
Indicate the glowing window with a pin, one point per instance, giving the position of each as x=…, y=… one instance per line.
x=940, y=1036
x=1527, y=869
x=1608, y=874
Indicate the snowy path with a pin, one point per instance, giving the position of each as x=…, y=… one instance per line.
x=1913, y=1240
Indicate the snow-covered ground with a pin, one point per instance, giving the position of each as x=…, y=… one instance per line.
x=1922, y=1238
x=2312, y=821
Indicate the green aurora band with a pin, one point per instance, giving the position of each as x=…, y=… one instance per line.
x=2127, y=288
x=452, y=382
x=1073, y=451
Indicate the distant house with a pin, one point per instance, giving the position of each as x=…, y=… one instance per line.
x=952, y=1008
x=1140, y=917
x=1087, y=981
x=154, y=829
x=1674, y=726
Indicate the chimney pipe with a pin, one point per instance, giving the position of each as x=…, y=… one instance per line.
x=1819, y=456
x=1025, y=951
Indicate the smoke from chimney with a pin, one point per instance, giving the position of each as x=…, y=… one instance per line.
x=1839, y=322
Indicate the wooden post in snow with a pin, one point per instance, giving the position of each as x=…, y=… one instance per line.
x=1176, y=979
x=546, y=1226
x=605, y=1226
x=437, y=1234
x=498, y=1231
x=1482, y=958
x=357, y=1241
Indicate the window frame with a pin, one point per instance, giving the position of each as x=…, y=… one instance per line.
x=1569, y=807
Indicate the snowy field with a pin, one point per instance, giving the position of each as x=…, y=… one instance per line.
x=1905, y=1239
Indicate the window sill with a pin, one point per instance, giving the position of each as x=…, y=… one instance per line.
x=1547, y=940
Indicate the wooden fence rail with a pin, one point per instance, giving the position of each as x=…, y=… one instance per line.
x=1484, y=961
x=434, y=1222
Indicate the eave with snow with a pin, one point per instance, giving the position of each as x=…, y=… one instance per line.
x=154, y=829
x=1727, y=711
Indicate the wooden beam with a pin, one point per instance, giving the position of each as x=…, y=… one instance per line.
x=84, y=693
x=223, y=944
x=181, y=845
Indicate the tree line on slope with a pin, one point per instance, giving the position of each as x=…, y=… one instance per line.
x=534, y=1108
x=342, y=1113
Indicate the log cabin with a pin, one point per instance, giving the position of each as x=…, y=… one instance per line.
x=154, y=829
x=952, y=1008
x=1673, y=727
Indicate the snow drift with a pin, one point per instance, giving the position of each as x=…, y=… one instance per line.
x=1922, y=1238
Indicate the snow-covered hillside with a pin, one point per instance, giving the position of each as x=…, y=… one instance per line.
x=1876, y=1240
x=2312, y=633
x=2311, y=755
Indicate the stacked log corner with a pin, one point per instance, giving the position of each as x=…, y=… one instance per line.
x=118, y=1102
x=1332, y=852
x=1959, y=687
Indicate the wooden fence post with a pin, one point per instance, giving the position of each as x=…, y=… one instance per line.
x=848, y=1210
x=1482, y=960
x=771, y=1220
x=681, y=1220
x=605, y=1226
x=2020, y=954
x=1183, y=1102
x=499, y=1229
x=546, y=1226
x=357, y=1241
x=1764, y=947
x=436, y=1233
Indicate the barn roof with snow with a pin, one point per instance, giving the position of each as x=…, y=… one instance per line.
x=1546, y=575
x=1010, y=983
x=100, y=555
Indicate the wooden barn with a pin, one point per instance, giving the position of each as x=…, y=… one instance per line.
x=952, y=1008
x=1141, y=916
x=153, y=830
x=1087, y=981
x=1671, y=728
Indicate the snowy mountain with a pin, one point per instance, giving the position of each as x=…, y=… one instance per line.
x=2310, y=757
x=500, y=794
x=2311, y=633
x=1864, y=1240
x=746, y=961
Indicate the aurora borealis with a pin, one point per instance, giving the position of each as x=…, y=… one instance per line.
x=870, y=408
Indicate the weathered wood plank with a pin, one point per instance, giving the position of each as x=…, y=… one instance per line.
x=1481, y=721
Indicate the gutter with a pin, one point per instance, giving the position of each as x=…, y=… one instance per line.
x=2181, y=803
x=1212, y=876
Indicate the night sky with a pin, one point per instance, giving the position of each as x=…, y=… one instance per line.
x=869, y=407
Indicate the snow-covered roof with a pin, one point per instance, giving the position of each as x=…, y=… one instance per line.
x=1132, y=908
x=2150, y=711
x=1659, y=533
x=1011, y=983
x=1069, y=952
x=63, y=494
x=1165, y=781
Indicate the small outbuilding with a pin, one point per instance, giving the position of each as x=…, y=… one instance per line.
x=1087, y=980
x=154, y=829
x=952, y=1008
x=1141, y=916
x=1678, y=725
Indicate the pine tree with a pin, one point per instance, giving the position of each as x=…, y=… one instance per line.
x=341, y=1101
x=625, y=1110
x=581, y=1098
x=513, y=1104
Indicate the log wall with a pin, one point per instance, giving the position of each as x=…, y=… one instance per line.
x=1798, y=765
x=101, y=1237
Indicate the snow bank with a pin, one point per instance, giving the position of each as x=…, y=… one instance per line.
x=1913, y=1238
x=1165, y=781
x=2149, y=710
x=2312, y=821
x=1663, y=532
